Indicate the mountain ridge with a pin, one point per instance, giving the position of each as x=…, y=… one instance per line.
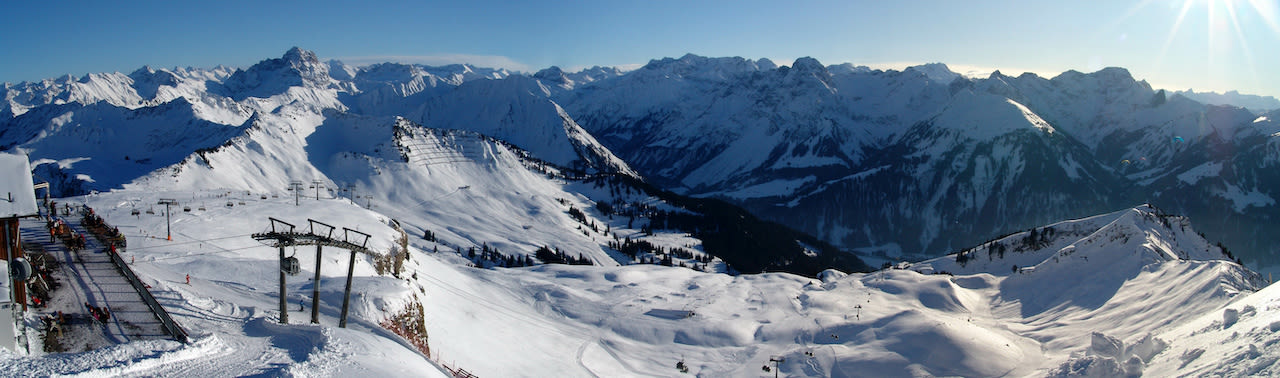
x=726, y=127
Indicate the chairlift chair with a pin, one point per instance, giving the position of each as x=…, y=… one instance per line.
x=186, y=209
x=230, y=204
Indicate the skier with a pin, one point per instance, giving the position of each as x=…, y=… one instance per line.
x=188, y=279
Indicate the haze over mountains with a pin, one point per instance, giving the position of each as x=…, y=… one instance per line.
x=472, y=174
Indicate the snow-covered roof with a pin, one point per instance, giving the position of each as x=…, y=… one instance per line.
x=17, y=193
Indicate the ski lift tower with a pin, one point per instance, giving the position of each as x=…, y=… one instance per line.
x=284, y=234
x=317, y=184
x=775, y=360
x=295, y=186
x=167, y=202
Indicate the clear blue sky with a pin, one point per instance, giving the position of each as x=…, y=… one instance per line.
x=1212, y=48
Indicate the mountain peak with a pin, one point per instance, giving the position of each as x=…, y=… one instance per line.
x=766, y=64
x=691, y=65
x=692, y=57
x=808, y=64
x=1115, y=73
x=297, y=55
x=848, y=68
x=553, y=73
x=937, y=72
x=297, y=67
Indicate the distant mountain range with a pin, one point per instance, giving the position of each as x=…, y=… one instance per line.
x=896, y=164
x=1255, y=103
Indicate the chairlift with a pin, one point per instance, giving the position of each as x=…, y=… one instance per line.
x=151, y=211
x=241, y=202
x=290, y=266
x=230, y=204
x=201, y=208
x=186, y=209
x=134, y=212
x=264, y=196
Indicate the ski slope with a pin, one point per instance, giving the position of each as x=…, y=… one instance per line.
x=640, y=320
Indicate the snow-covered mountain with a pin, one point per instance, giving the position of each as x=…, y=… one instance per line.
x=466, y=175
x=1116, y=294
x=914, y=163
x=853, y=155
x=285, y=97
x=922, y=162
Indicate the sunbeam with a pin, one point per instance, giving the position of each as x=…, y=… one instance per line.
x=1177, y=23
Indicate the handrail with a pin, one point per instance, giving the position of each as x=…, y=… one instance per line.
x=170, y=326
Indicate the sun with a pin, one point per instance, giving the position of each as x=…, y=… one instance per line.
x=1223, y=31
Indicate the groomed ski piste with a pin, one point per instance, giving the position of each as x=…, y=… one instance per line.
x=1137, y=280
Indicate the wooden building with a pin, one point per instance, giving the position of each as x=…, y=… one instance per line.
x=17, y=200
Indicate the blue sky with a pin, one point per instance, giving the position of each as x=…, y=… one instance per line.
x=1211, y=48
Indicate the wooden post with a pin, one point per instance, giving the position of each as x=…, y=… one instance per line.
x=346, y=293
x=284, y=309
x=315, y=291
x=13, y=250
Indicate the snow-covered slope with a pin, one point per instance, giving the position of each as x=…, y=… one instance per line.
x=721, y=124
x=1237, y=340
x=1067, y=282
x=519, y=111
x=100, y=146
x=772, y=139
x=468, y=190
x=1056, y=316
